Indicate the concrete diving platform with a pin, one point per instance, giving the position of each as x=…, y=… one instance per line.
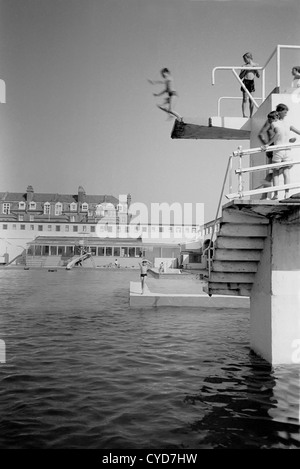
x=212, y=128
x=185, y=292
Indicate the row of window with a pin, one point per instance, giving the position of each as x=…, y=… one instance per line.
x=69, y=251
x=101, y=228
x=99, y=210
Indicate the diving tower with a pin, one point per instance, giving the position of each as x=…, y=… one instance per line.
x=255, y=252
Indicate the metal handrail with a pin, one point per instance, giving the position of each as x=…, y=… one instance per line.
x=228, y=97
x=208, y=248
x=277, y=52
x=240, y=153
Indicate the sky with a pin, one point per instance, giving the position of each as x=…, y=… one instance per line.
x=80, y=111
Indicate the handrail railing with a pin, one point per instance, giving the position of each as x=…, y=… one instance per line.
x=240, y=153
x=277, y=52
x=240, y=171
x=228, y=97
x=208, y=248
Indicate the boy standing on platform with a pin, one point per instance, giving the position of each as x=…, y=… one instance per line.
x=144, y=265
x=247, y=78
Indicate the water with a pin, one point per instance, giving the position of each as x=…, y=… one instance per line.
x=84, y=370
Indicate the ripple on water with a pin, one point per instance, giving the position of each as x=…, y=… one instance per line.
x=83, y=370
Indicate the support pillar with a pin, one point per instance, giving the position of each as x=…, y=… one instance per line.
x=275, y=296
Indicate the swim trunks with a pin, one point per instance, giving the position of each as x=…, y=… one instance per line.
x=281, y=156
x=249, y=84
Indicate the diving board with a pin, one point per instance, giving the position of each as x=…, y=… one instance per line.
x=213, y=128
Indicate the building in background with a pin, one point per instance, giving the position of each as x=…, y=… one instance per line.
x=47, y=230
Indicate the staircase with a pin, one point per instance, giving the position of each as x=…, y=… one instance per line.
x=237, y=252
x=43, y=261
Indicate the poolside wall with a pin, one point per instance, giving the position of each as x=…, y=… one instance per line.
x=275, y=297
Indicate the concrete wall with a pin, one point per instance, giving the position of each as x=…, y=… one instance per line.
x=258, y=121
x=275, y=297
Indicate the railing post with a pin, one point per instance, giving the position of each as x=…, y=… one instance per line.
x=230, y=174
x=278, y=66
x=263, y=85
x=240, y=178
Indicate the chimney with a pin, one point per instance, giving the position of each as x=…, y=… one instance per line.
x=30, y=193
x=81, y=198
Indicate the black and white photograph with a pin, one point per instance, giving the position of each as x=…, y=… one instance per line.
x=149, y=227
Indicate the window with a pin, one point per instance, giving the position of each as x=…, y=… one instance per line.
x=30, y=250
x=99, y=211
x=40, y=228
x=49, y=228
x=58, y=209
x=31, y=227
x=22, y=227
x=4, y=227
x=72, y=219
x=161, y=229
x=84, y=228
x=73, y=207
x=32, y=206
x=67, y=228
x=75, y=228
x=31, y=217
x=131, y=252
x=109, y=251
x=22, y=205
x=61, y=250
x=101, y=251
x=45, y=250
x=14, y=227
x=69, y=251
x=93, y=250
x=6, y=209
x=21, y=218
x=38, y=251
x=117, y=252
x=124, y=252
x=85, y=207
x=53, y=250
x=138, y=252
x=47, y=208
x=57, y=228
x=93, y=229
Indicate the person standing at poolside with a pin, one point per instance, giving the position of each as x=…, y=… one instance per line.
x=282, y=128
x=144, y=265
x=247, y=77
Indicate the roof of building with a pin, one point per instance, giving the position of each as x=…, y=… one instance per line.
x=63, y=240
x=51, y=197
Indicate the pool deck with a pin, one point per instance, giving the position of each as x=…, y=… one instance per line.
x=181, y=292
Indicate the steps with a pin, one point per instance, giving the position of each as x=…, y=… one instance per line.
x=237, y=252
x=43, y=261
